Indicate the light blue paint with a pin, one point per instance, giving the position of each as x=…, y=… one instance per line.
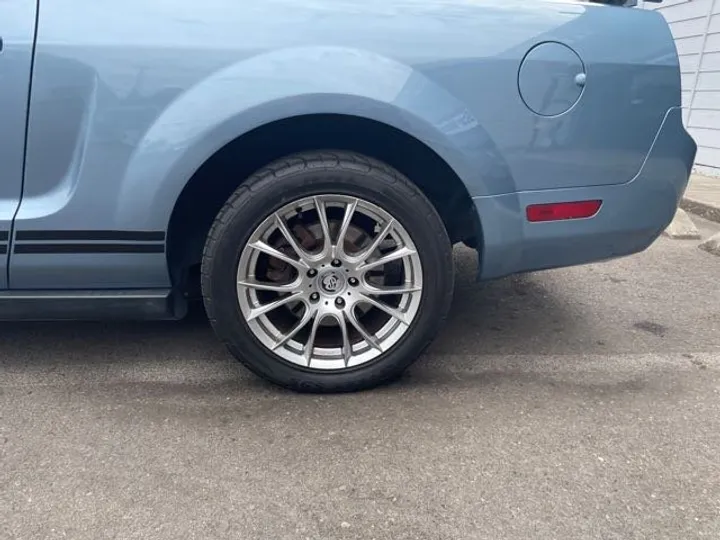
x=130, y=98
x=17, y=27
x=632, y=215
x=548, y=79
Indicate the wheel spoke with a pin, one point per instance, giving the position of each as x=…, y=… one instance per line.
x=399, y=253
x=322, y=216
x=347, y=218
x=346, y=347
x=393, y=312
x=309, y=314
x=369, y=338
x=379, y=291
x=272, y=252
x=377, y=240
x=310, y=345
x=290, y=237
x=270, y=306
x=267, y=286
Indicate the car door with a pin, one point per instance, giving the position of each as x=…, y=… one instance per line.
x=17, y=33
x=90, y=106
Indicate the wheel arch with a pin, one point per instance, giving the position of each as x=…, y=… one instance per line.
x=219, y=176
x=232, y=106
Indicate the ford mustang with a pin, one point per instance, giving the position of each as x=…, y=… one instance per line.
x=307, y=166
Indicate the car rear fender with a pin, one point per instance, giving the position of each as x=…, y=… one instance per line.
x=288, y=83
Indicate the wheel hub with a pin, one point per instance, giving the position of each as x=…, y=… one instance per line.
x=331, y=282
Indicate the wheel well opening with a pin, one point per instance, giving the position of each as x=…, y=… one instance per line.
x=209, y=188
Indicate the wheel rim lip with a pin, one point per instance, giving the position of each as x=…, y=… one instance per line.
x=330, y=358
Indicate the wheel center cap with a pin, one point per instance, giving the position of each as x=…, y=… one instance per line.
x=331, y=282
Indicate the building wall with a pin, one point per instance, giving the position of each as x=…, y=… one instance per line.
x=696, y=27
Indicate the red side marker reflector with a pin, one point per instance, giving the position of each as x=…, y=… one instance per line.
x=561, y=211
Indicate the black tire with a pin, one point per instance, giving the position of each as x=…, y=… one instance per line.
x=316, y=173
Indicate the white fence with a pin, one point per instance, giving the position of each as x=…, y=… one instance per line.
x=696, y=27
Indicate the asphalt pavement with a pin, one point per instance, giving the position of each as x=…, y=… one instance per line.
x=569, y=404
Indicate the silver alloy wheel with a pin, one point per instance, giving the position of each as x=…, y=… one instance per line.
x=329, y=282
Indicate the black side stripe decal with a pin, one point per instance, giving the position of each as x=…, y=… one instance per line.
x=88, y=248
x=138, y=236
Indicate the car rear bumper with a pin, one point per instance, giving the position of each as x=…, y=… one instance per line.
x=631, y=217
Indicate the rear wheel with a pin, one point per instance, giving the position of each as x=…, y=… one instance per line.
x=327, y=272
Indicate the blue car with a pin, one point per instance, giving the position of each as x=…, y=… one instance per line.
x=306, y=166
